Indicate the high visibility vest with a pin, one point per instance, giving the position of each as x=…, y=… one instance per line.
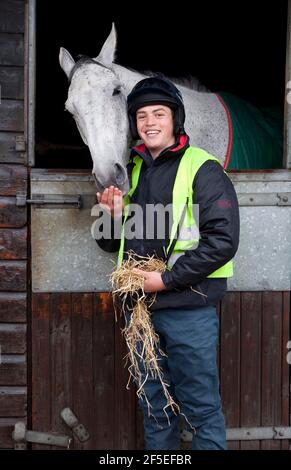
x=182, y=200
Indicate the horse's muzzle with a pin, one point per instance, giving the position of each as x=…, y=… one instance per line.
x=120, y=175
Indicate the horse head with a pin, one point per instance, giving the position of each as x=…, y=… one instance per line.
x=97, y=101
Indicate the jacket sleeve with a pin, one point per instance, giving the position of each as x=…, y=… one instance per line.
x=218, y=227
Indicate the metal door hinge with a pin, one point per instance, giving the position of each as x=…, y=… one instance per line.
x=52, y=201
x=261, y=433
x=248, y=433
x=72, y=421
x=21, y=436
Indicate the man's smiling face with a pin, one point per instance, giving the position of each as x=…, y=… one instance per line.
x=155, y=127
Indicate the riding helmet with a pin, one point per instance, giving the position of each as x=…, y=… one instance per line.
x=155, y=90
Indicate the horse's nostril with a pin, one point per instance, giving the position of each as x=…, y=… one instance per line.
x=120, y=174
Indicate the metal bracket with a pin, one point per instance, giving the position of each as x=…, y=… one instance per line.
x=261, y=433
x=72, y=421
x=53, y=201
x=264, y=199
x=21, y=436
x=18, y=436
x=20, y=143
x=248, y=434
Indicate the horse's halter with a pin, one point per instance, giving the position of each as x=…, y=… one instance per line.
x=84, y=59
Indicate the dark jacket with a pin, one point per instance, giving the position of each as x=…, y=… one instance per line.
x=218, y=226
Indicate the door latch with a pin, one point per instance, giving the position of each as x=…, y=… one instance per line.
x=52, y=201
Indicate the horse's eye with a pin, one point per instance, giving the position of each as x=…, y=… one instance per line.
x=116, y=91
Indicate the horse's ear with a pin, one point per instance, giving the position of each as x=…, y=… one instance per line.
x=107, y=52
x=66, y=61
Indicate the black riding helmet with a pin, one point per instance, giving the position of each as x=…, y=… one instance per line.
x=155, y=90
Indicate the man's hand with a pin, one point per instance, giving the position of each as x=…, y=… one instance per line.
x=111, y=201
x=152, y=280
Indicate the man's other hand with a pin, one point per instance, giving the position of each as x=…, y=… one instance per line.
x=152, y=280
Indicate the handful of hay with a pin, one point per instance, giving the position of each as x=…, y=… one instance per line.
x=140, y=336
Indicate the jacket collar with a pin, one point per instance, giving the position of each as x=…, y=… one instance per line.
x=179, y=147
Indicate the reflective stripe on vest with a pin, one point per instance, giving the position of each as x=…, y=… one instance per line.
x=188, y=238
x=126, y=200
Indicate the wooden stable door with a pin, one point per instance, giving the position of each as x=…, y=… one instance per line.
x=78, y=351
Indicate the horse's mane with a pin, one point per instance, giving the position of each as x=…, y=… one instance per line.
x=193, y=83
x=189, y=81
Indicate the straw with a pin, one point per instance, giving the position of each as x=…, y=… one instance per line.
x=141, y=339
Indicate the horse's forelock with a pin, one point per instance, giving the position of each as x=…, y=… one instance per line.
x=83, y=60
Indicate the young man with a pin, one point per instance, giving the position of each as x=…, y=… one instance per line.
x=165, y=169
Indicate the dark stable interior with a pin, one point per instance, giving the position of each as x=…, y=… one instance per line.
x=229, y=46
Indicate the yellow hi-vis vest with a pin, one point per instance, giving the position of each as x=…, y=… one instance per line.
x=182, y=200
